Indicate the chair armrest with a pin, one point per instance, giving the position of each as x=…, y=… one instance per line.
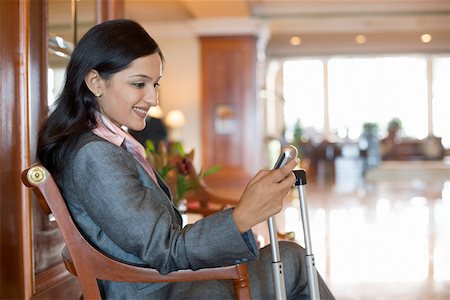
x=119, y=271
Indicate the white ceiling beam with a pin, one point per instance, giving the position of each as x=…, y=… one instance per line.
x=356, y=23
x=300, y=8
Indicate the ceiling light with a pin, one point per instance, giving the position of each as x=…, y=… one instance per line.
x=360, y=39
x=175, y=119
x=426, y=38
x=296, y=40
x=155, y=112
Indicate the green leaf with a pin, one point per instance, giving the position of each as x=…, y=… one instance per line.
x=177, y=148
x=211, y=171
x=149, y=146
x=181, y=186
x=164, y=171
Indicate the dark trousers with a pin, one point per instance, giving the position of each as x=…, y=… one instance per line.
x=293, y=258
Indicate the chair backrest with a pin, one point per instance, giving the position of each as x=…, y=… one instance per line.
x=89, y=264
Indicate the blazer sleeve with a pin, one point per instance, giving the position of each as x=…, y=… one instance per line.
x=141, y=220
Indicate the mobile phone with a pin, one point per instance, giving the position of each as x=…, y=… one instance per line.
x=288, y=153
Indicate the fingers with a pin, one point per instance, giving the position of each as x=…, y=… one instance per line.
x=285, y=172
x=259, y=175
x=277, y=176
x=263, y=196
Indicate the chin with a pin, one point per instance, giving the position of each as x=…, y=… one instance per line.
x=137, y=127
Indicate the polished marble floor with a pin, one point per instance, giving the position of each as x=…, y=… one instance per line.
x=376, y=241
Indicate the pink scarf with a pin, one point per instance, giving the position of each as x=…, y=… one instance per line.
x=117, y=136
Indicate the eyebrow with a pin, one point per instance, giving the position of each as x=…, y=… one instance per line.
x=145, y=76
x=141, y=75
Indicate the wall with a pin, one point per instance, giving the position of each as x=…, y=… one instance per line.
x=180, y=85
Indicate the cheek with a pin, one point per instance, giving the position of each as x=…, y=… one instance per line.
x=101, y=104
x=122, y=94
x=117, y=99
x=111, y=105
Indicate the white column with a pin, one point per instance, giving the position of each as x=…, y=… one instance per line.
x=430, y=94
x=326, y=116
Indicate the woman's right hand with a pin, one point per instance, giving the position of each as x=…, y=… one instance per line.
x=263, y=197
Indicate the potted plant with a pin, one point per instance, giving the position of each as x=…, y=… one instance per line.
x=167, y=160
x=370, y=144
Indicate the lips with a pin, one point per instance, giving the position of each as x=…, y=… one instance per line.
x=140, y=111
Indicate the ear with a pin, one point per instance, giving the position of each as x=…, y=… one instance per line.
x=93, y=81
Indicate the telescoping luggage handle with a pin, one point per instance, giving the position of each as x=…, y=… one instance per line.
x=288, y=153
x=311, y=271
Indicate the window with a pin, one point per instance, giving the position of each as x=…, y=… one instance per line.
x=376, y=90
x=303, y=95
x=367, y=89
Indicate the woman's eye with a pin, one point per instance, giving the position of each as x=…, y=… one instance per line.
x=156, y=85
x=139, y=85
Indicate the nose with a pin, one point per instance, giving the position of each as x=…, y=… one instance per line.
x=152, y=97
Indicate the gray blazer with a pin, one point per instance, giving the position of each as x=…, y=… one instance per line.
x=123, y=212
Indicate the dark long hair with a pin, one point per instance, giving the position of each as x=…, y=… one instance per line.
x=108, y=48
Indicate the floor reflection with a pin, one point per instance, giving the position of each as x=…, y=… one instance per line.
x=378, y=241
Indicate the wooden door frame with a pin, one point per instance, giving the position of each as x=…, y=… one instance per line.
x=18, y=18
x=23, y=61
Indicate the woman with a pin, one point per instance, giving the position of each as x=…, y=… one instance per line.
x=121, y=205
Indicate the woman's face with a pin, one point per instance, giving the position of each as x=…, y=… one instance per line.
x=129, y=94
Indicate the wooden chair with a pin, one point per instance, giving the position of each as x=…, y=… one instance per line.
x=89, y=264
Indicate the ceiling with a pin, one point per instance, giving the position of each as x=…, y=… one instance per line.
x=325, y=27
x=172, y=10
